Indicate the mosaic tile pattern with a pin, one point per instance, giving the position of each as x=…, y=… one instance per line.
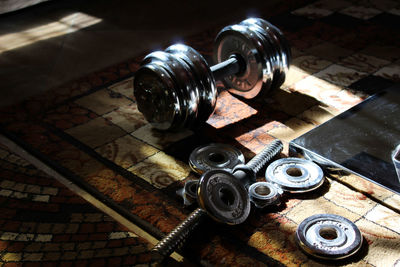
x=42, y=222
x=342, y=51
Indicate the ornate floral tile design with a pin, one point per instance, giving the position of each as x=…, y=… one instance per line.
x=126, y=151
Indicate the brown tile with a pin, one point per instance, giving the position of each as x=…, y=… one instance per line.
x=96, y=132
x=329, y=51
x=124, y=87
x=128, y=118
x=161, y=170
x=229, y=110
x=331, y=5
x=383, y=244
x=159, y=139
x=126, y=151
x=390, y=53
x=364, y=63
x=103, y=101
x=340, y=75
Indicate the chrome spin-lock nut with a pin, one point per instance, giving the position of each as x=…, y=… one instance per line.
x=188, y=192
x=328, y=236
x=295, y=175
x=264, y=194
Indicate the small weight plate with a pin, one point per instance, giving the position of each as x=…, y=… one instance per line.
x=264, y=194
x=328, y=236
x=241, y=41
x=204, y=78
x=295, y=175
x=215, y=156
x=223, y=197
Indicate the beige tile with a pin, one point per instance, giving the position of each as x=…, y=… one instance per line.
x=329, y=51
x=319, y=89
x=385, y=217
x=364, y=63
x=383, y=244
x=291, y=102
x=161, y=170
x=96, y=132
x=345, y=197
x=312, y=12
x=365, y=186
x=124, y=87
x=310, y=64
x=318, y=114
x=320, y=205
x=157, y=138
x=126, y=151
x=340, y=75
x=361, y=12
x=128, y=118
x=393, y=201
x=294, y=75
x=391, y=72
x=103, y=101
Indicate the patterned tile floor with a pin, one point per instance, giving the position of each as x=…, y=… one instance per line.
x=343, y=52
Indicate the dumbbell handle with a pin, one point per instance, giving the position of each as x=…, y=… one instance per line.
x=226, y=68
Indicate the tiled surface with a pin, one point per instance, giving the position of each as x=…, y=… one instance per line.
x=44, y=223
x=339, y=53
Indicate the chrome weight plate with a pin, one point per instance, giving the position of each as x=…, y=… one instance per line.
x=295, y=175
x=156, y=95
x=328, y=236
x=277, y=49
x=215, y=156
x=223, y=197
x=239, y=40
x=264, y=194
x=204, y=78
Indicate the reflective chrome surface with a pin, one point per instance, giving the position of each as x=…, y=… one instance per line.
x=266, y=53
x=328, y=236
x=215, y=156
x=264, y=194
x=295, y=175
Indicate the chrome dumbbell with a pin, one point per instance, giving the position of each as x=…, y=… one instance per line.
x=176, y=89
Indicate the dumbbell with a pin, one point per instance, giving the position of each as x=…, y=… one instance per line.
x=176, y=89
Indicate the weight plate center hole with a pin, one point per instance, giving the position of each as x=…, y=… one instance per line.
x=216, y=157
x=263, y=190
x=227, y=197
x=328, y=233
x=294, y=172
